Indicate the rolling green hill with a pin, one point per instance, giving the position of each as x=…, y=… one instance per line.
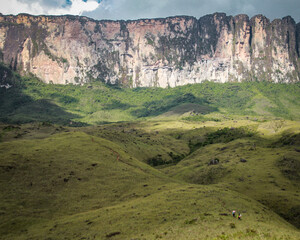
x=102, y=162
x=72, y=183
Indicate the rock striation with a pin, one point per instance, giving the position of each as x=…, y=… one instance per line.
x=152, y=52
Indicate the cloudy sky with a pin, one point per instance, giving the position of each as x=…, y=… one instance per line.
x=135, y=9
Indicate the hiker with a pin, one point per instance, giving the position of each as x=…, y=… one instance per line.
x=233, y=213
x=240, y=217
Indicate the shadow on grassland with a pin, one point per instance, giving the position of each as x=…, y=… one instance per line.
x=16, y=107
x=167, y=103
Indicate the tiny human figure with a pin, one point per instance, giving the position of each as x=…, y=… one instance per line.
x=240, y=216
x=233, y=213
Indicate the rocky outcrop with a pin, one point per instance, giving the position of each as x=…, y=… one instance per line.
x=152, y=52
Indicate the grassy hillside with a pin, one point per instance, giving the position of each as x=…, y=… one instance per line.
x=67, y=183
x=263, y=167
x=102, y=162
x=31, y=100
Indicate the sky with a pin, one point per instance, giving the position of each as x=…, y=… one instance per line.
x=136, y=9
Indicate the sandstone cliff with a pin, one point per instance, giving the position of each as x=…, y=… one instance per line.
x=152, y=52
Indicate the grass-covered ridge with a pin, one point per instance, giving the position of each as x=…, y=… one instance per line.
x=32, y=100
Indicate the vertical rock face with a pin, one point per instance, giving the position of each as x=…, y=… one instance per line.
x=152, y=52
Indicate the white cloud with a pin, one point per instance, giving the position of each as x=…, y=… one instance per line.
x=15, y=7
x=36, y=7
x=77, y=8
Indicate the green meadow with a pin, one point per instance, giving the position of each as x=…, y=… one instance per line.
x=104, y=162
x=30, y=100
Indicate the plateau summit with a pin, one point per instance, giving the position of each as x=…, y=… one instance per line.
x=165, y=52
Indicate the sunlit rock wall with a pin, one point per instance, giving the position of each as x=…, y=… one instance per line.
x=152, y=52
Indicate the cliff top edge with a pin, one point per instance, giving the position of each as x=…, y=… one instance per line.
x=84, y=18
